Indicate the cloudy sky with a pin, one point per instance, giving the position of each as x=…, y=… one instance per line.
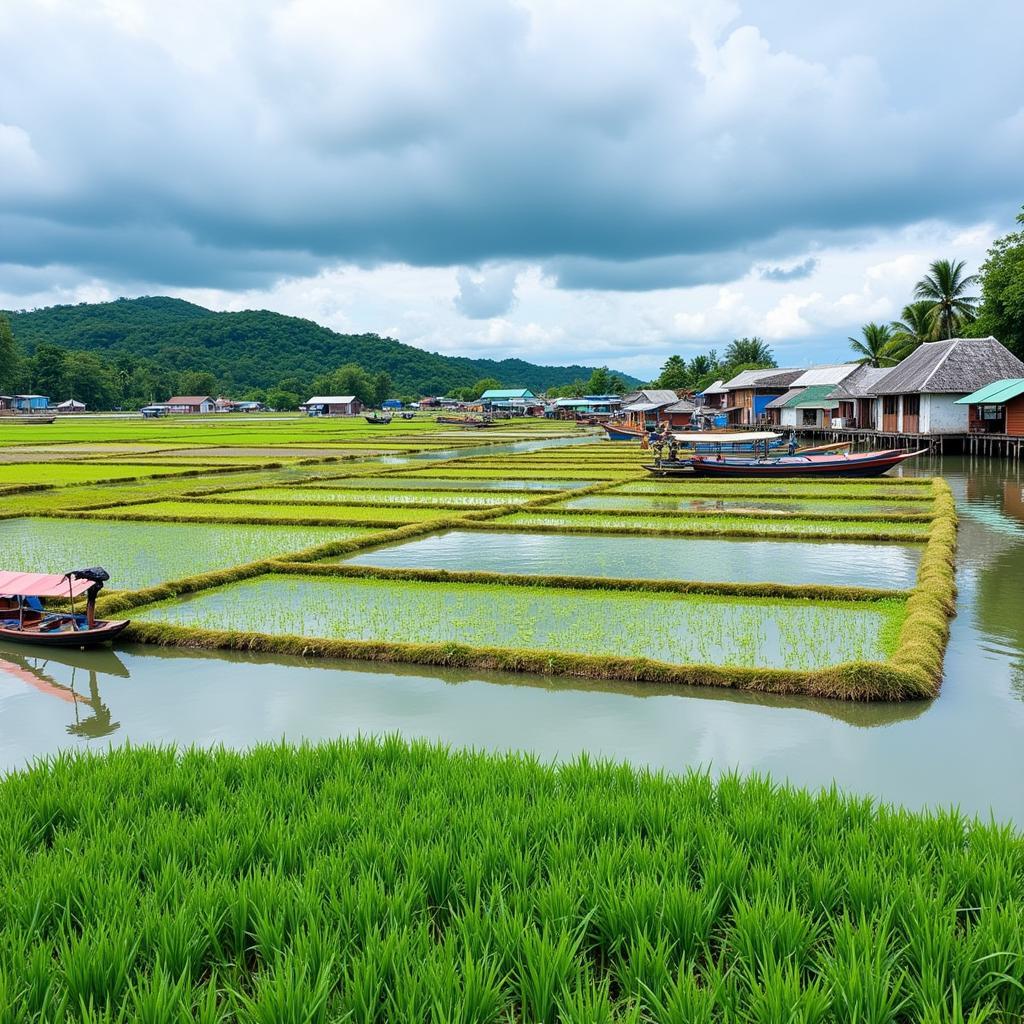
x=555, y=179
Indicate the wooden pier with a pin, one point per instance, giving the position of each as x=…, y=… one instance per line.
x=1003, y=446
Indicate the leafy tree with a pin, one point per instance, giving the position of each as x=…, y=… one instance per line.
x=702, y=366
x=382, y=387
x=10, y=360
x=877, y=347
x=90, y=380
x=604, y=382
x=752, y=351
x=1002, y=292
x=282, y=400
x=482, y=385
x=675, y=374
x=198, y=382
x=945, y=286
x=915, y=326
x=47, y=371
x=350, y=379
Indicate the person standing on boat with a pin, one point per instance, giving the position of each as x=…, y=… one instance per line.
x=792, y=442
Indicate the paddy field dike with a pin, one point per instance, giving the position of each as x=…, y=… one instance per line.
x=529, y=547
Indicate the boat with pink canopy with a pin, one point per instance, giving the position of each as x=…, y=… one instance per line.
x=25, y=619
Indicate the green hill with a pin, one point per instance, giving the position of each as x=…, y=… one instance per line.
x=260, y=349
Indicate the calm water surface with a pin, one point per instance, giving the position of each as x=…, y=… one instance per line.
x=965, y=748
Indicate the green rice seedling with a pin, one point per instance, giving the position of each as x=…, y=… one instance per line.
x=328, y=906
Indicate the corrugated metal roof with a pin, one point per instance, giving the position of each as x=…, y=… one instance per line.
x=997, y=393
x=825, y=375
x=770, y=378
x=816, y=397
x=683, y=405
x=718, y=388
x=860, y=383
x=782, y=400
x=508, y=393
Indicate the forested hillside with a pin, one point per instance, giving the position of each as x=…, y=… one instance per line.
x=258, y=349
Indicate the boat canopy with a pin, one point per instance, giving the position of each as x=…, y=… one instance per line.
x=693, y=437
x=35, y=584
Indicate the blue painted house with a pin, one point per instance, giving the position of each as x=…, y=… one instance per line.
x=31, y=403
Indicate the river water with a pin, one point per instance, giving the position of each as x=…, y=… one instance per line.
x=964, y=749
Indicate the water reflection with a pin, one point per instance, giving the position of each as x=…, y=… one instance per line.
x=72, y=678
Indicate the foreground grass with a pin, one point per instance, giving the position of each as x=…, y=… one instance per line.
x=373, y=882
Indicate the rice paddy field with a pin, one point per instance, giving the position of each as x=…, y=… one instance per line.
x=424, y=552
x=294, y=883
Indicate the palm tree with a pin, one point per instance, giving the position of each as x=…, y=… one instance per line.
x=749, y=350
x=915, y=326
x=944, y=287
x=876, y=348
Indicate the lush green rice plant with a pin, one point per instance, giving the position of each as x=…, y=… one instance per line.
x=304, y=884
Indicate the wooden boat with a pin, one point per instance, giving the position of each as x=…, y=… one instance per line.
x=466, y=421
x=27, y=417
x=618, y=432
x=380, y=421
x=24, y=619
x=826, y=464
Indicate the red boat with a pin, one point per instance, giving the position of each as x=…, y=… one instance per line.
x=845, y=464
x=23, y=618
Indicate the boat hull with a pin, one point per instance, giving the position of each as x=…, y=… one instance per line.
x=622, y=433
x=866, y=465
x=99, y=634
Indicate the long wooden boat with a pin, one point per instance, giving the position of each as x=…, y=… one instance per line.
x=24, y=619
x=27, y=417
x=617, y=432
x=833, y=465
x=466, y=421
x=380, y=421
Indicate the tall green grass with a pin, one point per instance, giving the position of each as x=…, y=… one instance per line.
x=380, y=882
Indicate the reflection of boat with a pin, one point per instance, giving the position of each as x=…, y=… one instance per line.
x=831, y=465
x=24, y=619
x=381, y=421
x=42, y=674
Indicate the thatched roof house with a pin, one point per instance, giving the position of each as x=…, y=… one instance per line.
x=920, y=394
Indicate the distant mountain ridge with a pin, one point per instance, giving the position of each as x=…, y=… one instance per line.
x=260, y=349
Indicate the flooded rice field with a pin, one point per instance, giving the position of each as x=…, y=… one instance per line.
x=711, y=560
x=962, y=748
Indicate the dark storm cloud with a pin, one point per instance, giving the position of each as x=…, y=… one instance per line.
x=659, y=147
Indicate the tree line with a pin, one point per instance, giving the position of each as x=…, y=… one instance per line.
x=943, y=306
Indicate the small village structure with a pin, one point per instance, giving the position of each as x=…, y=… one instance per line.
x=750, y=392
x=191, y=404
x=70, y=406
x=589, y=407
x=6, y=403
x=31, y=403
x=997, y=408
x=856, y=397
x=333, y=405
x=809, y=401
x=641, y=409
x=513, y=401
x=920, y=395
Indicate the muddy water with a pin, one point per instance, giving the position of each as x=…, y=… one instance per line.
x=963, y=749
